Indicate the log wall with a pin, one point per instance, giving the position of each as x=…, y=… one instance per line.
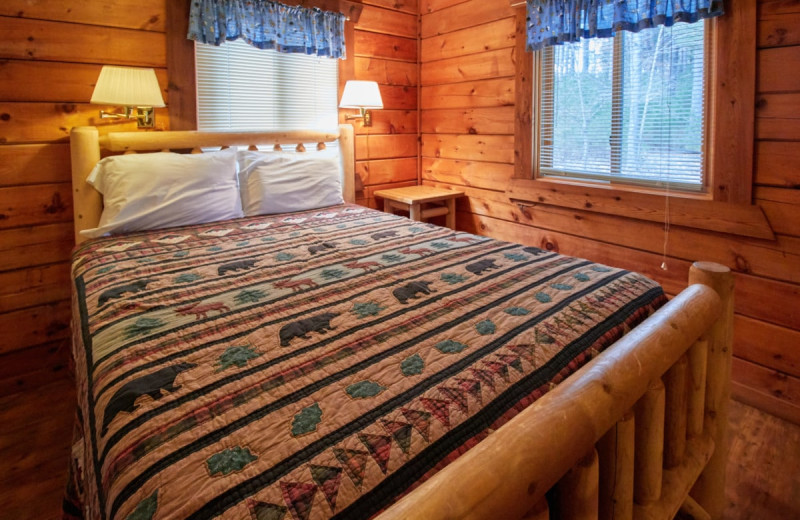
x=386, y=41
x=51, y=53
x=50, y=56
x=467, y=101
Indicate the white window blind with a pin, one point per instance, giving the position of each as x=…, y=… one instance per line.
x=626, y=109
x=240, y=87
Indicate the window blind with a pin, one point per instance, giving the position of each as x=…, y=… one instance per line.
x=626, y=109
x=240, y=87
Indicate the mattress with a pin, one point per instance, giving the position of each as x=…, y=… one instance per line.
x=317, y=364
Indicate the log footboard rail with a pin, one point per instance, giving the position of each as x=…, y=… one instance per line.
x=639, y=432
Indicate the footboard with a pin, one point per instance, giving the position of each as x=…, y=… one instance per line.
x=639, y=432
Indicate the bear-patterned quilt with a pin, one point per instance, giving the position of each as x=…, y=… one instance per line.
x=317, y=364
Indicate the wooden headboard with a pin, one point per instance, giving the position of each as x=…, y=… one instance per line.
x=86, y=146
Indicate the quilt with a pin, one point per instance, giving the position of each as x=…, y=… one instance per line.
x=317, y=364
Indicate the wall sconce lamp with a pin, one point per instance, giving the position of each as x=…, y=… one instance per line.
x=135, y=89
x=363, y=95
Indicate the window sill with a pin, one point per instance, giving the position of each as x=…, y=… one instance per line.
x=686, y=210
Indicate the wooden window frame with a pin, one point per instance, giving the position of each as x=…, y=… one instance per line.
x=182, y=71
x=727, y=206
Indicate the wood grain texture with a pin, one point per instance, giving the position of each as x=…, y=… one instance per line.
x=387, y=21
x=146, y=15
x=491, y=36
x=376, y=45
x=486, y=65
x=42, y=122
x=34, y=164
x=385, y=72
x=54, y=41
x=474, y=94
x=779, y=29
x=776, y=164
x=462, y=15
x=33, y=81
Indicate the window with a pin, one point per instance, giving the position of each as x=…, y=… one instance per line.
x=629, y=109
x=240, y=87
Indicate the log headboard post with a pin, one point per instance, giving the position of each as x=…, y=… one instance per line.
x=709, y=490
x=87, y=204
x=86, y=145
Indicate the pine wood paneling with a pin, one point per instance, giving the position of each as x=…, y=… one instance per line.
x=39, y=204
x=781, y=351
x=51, y=53
x=463, y=15
x=28, y=369
x=486, y=93
x=390, y=122
x=33, y=81
x=491, y=36
x=146, y=15
x=773, y=64
x=780, y=29
x=782, y=208
x=384, y=171
x=37, y=122
x=54, y=41
x=429, y=6
x=32, y=287
x=777, y=163
x=469, y=147
x=405, y=6
x=486, y=65
x=31, y=246
x=499, y=120
x=375, y=45
x=778, y=105
x=778, y=128
x=34, y=326
x=388, y=21
x=491, y=176
x=385, y=146
x=34, y=164
x=399, y=97
x=386, y=72
x=466, y=146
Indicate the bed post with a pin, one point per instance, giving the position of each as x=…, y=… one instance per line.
x=709, y=491
x=86, y=203
x=347, y=148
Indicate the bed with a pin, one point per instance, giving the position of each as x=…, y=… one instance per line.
x=339, y=362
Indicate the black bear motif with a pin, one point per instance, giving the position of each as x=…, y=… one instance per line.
x=124, y=399
x=320, y=323
x=235, y=266
x=410, y=290
x=482, y=265
x=383, y=234
x=535, y=251
x=322, y=247
x=116, y=292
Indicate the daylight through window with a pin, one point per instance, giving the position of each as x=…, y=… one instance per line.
x=629, y=109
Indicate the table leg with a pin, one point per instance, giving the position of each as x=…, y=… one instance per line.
x=387, y=206
x=415, y=211
x=451, y=213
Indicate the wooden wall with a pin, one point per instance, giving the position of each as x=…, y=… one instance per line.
x=51, y=53
x=467, y=101
x=446, y=69
x=386, y=44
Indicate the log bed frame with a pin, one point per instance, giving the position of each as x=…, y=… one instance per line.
x=638, y=432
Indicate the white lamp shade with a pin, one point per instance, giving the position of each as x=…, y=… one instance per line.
x=127, y=86
x=361, y=94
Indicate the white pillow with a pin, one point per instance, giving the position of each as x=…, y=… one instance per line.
x=281, y=182
x=162, y=190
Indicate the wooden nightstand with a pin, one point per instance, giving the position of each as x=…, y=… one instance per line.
x=438, y=201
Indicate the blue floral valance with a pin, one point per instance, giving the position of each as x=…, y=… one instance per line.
x=268, y=25
x=552, y=22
